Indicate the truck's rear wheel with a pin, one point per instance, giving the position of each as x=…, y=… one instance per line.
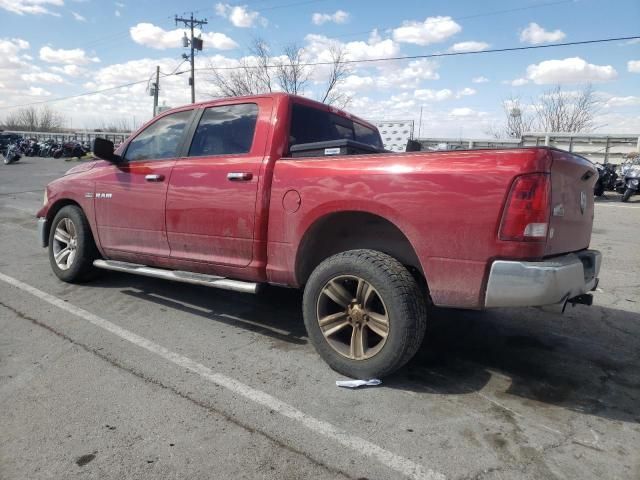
x=71, y=246
x=364, y=313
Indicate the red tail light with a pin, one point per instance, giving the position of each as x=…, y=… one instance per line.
x=526, y=216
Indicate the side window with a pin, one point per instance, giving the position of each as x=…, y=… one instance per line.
x=159, y=140
x=225, y=130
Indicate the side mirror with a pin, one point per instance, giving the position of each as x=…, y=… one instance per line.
x=103, y=149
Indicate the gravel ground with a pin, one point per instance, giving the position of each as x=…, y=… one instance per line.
x=241, y=393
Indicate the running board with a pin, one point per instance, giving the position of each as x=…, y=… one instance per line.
x=179, y=276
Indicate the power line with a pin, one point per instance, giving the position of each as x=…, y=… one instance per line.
x=436, y=55
x=370, y=60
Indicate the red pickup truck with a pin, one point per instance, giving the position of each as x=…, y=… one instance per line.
x=277, y=189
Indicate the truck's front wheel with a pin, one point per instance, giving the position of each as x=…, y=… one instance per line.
x=71, y=246
x=364, y=313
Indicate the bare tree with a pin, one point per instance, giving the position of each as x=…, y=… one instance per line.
x=32, y=119
x=339, y=71
x=561, y=111
x=262, y=73
x=556, y=110
x=120, y=125
x=251, y=77
x=291, y=74
x=517, y=120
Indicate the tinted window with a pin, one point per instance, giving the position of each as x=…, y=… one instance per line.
x=310, y=124
x=160, y=139
x=225, y=130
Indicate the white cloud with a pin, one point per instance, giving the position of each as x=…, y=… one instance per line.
x=78, y=17
x=569, y=70
x=518, y=82
x=117, y=13
x=339, y=16
x=10, y=51
x=465, y=92
x=319, y=48
x=480, y=79
x=432, y=30
x=465, y=112
x=355, y=82
x=34, y=7
x=428, y=95
x=470, y=46
x=633, y=66
x=42, y=77
x=151, y=35
x=71, y=70
x=37, y=92
x=628, y=101
x=75, y=56
x=535, y=35
x=410, y=76
x=239, y=15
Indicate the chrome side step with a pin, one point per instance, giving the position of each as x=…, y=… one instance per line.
x=179, y=276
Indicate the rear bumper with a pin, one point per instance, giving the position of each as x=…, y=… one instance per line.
x=42, y=232
x=536, y=284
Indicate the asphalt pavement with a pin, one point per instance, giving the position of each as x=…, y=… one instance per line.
x=132, y=377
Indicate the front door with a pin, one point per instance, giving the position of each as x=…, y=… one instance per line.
x=130, y=197
x=211, y=200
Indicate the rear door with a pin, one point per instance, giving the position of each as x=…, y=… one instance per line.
x=572, y=181
x=130, y=196
x=211, y=200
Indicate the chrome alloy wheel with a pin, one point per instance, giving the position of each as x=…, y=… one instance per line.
x=65, y=243
x=352, y=317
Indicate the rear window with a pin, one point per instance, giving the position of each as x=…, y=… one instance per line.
x=310, y=125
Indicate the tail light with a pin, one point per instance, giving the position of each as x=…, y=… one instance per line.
x=526, y=216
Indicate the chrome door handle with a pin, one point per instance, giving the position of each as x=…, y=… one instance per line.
x=154, y=178
x=239, y=176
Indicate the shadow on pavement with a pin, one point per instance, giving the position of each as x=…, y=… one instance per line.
x=593, y=370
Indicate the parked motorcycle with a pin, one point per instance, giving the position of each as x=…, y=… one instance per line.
x=607, y=177
x=10, y=154
x=628, y=182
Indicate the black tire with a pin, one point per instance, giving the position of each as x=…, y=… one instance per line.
x=627, y=194
x=403, y=300
x=81, y=268
x=598, y=191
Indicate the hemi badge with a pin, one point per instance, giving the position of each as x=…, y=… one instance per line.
x=88, y=195
x=558, y=210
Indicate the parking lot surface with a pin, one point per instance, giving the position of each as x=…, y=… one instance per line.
x=131, y=377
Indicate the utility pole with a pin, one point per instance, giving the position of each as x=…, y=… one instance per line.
x=156, y=90
x=195, y=44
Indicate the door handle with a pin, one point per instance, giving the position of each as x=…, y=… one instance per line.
x=154, y=178
x=239, y=176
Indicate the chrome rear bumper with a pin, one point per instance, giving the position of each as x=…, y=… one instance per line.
x=537, y=284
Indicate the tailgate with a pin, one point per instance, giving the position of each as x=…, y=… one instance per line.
x=572, y=181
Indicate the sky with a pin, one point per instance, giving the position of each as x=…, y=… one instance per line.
x=57, y=48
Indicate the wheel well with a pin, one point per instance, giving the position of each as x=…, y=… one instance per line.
x=339, y=232
x=55, y=208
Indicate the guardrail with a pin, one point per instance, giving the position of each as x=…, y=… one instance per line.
x=603, y=148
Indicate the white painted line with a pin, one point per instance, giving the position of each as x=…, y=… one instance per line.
x=395, y=462
x=617, y=205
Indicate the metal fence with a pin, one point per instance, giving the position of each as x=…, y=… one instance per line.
x=603, y=148
x=62, y=137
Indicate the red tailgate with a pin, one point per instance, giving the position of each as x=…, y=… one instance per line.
x=572, y=181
